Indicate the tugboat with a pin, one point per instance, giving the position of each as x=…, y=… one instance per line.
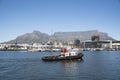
x=72, y=54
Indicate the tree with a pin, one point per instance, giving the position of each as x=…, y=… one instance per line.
x=95, y=38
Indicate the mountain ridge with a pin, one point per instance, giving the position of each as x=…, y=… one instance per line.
x=39, y=37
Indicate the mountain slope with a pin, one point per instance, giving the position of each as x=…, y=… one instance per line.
x=34, y=37
x=83, y=35
x=38, y=37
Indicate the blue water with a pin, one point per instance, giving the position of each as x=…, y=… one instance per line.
x=99, y=65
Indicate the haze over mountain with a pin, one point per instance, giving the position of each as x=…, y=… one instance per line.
x=38, y=37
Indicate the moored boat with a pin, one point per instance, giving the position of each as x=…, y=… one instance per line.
x=65, y=55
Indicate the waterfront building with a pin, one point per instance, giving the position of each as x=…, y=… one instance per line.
x=106, y=44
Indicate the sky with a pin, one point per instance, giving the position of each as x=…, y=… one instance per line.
x=18, y=17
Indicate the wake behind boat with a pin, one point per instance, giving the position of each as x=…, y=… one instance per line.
x=71, y=54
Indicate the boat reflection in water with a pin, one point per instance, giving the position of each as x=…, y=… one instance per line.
x=71, y=68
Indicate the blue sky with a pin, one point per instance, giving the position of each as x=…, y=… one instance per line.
x=18, y=17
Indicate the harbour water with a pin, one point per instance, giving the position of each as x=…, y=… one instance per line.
x=96, y=65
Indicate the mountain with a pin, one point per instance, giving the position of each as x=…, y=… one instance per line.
x=82, y=35
x=34, y=37
x=38, y=37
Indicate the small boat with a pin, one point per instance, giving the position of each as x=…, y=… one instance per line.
x=65, y=55
x=34, y=50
